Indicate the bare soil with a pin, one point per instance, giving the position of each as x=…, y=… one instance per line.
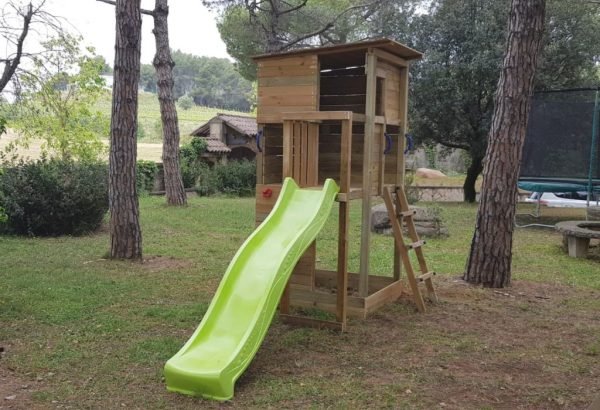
x=530, y=346
x=518, y=348
x=160, y=263
x=15, y=393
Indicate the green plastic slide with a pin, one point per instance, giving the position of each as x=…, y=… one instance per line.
x=242, y=309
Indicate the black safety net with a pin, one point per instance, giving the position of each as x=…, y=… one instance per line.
x=560, y=138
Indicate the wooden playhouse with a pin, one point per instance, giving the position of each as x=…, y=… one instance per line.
x=340, y=112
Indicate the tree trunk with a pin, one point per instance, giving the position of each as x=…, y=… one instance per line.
x=163, y=63
x=490, y=258
x=125, y=232
x=476, y=167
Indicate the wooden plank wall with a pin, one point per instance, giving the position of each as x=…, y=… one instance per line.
x=391, y=158
x=392, y=90
x=392, y=114
x=287, y=84
x=329, y=153
x=272, y=155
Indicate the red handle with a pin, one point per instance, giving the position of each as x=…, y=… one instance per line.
x=267, y=193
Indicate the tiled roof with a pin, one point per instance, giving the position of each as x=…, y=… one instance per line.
x=240, y=123
x=245, y=125
x=215, y=145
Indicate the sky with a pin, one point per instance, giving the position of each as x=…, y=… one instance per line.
x=192, y=28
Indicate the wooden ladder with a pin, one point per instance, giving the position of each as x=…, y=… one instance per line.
x=399, y=211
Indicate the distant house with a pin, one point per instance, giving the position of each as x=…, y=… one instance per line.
x=229, y=137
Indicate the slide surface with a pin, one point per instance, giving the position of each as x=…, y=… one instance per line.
x=241, y=311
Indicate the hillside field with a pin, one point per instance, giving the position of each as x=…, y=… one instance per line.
x=150, y=137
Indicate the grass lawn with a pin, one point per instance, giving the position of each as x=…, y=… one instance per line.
x=79, y=331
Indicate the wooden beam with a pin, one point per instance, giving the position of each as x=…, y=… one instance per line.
x=400, y=147
x=353, y=194
x=388, y=294
x=365, y=237
x=359, y=117
x=390, y=58
x=316, y=115
x=288, y=128
x=342, y=262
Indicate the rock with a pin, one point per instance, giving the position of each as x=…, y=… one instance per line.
x=10, y=397
x=427, y=222
x=429, y=173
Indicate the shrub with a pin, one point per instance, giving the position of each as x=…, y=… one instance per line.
x=145, y=175
x=185, y=102
x=237, y=178
x=54, y=197
x=191, y=164
x=140, y=132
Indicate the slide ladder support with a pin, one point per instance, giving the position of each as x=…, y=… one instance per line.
x=399, y=212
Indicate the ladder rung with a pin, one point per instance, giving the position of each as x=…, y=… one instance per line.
x=425, y=276
x=406, y=214
x=417, y=244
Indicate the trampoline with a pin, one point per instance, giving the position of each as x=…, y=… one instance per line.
x=562, y=151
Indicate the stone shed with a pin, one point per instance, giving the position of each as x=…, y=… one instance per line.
x=229, y=137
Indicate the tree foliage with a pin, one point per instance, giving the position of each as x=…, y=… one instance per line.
x=463, y=41
x=57, y=102
x=207, y=80
x=249, y=28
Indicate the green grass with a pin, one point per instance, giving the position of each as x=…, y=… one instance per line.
x=149, y=117
x=98, y=332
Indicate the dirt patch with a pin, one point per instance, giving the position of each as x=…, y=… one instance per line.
x=160, y=263
x=521, y=347
x=15, y=393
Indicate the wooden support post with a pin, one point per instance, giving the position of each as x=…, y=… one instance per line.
x=365, y=237
x=259, y=160
x=297, y=158
x=313, y=155
x=343, y=224
x=288, y=131
x=400, y=147
x=382, y=138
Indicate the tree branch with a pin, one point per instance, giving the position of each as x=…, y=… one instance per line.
x=327, y=26
x=292, y=9
x=114, y=3
x=11, y=67
x=304, y=37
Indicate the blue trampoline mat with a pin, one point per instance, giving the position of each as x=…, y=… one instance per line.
x=555, y=186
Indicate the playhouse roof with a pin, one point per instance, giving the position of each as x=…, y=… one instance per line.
x=385, y=44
